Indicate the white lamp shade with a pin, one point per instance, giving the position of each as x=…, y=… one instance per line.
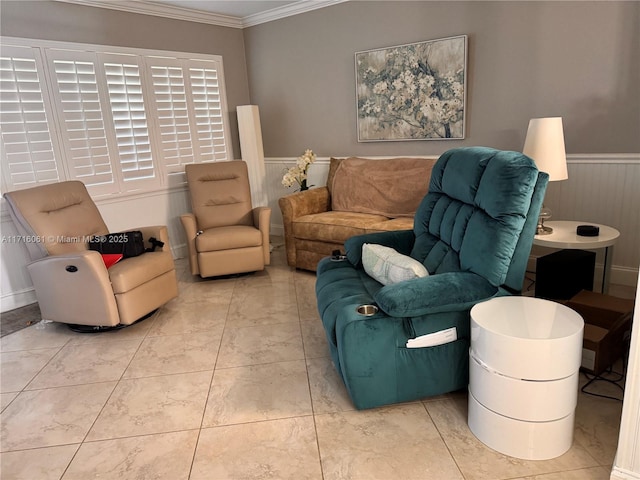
x=545, y=145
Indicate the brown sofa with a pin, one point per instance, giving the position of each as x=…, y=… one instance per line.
x=361, y=196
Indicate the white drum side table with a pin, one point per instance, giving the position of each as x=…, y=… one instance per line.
x=564, y=236
x=524, y=360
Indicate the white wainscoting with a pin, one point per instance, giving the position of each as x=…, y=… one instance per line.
x=601, y=189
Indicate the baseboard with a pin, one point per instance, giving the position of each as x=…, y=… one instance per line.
x=277, y=230
x=622, y=275
x=14, y=300
x=621, y=474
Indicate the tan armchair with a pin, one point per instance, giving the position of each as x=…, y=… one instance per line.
x=225, y=234
x=72, y=283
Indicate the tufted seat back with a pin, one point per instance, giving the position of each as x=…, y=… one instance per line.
x=464, y=224
x=55, y=219
x=220, y=193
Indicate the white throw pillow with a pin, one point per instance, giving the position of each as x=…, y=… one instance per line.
x=388, y=266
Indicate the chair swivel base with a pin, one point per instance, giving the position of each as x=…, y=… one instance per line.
x=75, y=327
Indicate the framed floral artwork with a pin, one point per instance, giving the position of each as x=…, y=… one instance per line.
x=412, y=92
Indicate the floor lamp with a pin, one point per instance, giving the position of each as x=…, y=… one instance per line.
x=545, y=145
x=250, y=134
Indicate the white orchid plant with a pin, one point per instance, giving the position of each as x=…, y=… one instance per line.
x=297, y=175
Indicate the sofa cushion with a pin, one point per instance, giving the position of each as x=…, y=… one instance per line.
x=391, y=187
x=334, y=227
x=334, y=163
x=388, y=266
x=392, y=224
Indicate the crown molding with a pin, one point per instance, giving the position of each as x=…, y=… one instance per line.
x=287, y=11
x=146, y=7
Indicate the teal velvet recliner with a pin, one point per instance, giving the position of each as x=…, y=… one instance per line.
x=473, y=232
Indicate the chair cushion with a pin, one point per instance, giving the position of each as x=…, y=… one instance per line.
x=388, y=266
x=130, y=273
x=226, y=238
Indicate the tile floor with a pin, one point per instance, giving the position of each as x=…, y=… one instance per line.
x=232, y=380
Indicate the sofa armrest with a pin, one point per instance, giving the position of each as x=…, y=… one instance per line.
x=315, y=200
x=74, y=288
x=262, y=221
x=443, y=292
x=307, y=202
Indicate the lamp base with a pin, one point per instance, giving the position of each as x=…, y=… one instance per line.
x=545, y=214
x=542, y=230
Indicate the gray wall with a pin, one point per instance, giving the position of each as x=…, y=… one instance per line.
x=66, y=22
x=578, y=60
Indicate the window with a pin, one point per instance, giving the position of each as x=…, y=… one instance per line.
x=28, y=155
x=128, y=112
x=119, y=120
x=82, y=122
x=189, y=112
x=173, y=114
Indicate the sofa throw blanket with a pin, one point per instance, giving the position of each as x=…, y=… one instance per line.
x=391, y=187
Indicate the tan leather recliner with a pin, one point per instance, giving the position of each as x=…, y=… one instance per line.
x=225, y=234
x=72, y=283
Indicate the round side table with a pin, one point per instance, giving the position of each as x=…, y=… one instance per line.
x=564, y=236
x=524, y=360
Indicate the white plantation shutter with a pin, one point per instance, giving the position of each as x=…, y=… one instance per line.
x=120, y=120
x=28, y=150
x=126, y=98
x=82, y=123
x=209, y=113
x=172, y=113
x=189, y=111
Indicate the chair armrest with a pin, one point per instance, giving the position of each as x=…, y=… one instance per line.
x=190, y=226
x=159, y=232
x=400, y=240
x=74, y=288
x=261, y=216
x=262, y=221
x=442, y=292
